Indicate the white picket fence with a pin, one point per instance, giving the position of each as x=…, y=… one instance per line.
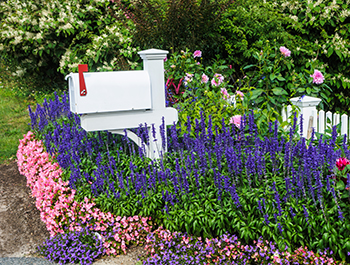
x=319, y=120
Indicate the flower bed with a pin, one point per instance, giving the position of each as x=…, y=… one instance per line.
x=56, y=202
x=61, y=213
x=279, y=187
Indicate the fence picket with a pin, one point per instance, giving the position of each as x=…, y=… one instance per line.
x=336, y=119
x=344, y=124
x=329, y=120
x=321, y=121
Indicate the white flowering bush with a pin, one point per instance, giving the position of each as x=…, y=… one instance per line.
x=54, y=36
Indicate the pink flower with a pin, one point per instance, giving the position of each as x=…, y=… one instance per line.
x=188, y=78
x=285, y=51
x=197, y=53
x=236, y=120
x=341, y=163
x=205, y=78
x=217, y=80
x=318, y=77
x=224, y=91
x=240, y=94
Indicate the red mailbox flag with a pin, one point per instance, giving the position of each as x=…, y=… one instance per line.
x=82, y=68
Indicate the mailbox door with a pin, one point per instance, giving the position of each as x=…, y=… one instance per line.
x=113, y=91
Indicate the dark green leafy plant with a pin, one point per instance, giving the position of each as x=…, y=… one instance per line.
x=179, y=24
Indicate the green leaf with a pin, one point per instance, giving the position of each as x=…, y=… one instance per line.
x=340, y=185
x=308, y=90
x=279, y=91
x=256, y=93
x=248, y=66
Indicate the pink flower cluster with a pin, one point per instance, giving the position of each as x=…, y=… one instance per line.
x=217, y=80
x=341, y=163
x=197, y=53
x=188, y=78
x=55, y=201
x=318, y=77
x=236, y=120
x=227, y=248
x=226, y=95
x=285, y=51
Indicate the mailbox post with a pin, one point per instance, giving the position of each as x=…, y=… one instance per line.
x=115, y=101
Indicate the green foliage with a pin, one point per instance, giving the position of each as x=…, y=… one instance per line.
x=324, y=27
x=186, y=76
x=42, y=37
x=211, y=106
x=274, y=80
x=316, y=33
x=178, y=24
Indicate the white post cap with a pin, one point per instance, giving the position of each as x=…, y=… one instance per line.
x=153, y=54
x=305, y=101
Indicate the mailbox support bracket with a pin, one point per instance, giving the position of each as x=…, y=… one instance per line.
x=132, y=136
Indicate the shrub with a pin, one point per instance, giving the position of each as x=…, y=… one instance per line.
x=273, y=80
x=324, y=28
x=176, y=25
x=45, y=37
x=317, y=31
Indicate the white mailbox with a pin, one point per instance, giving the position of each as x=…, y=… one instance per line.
x=115, y=101
x=111, y=91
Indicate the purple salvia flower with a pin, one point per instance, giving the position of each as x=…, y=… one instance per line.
x=306, y=214
x=162, y=133
x=291, y=213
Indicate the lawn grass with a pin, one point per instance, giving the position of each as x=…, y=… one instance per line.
x=16, y=93
x=14, y=120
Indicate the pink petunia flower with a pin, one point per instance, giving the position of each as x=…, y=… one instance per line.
x=205, y=78
x=341, y=163
x=318, y=77
x=285, y=51
x=236, y=120
x=197, y=53
x=217, y=80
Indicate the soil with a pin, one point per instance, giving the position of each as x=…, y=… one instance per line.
x=21, y=229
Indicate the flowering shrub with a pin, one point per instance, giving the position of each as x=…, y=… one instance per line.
x=316, y=32
x=187, y=76
x=273, y=81
x=44, y=37
x=59, y=210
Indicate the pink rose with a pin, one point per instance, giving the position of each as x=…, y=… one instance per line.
x=225, y=93
x=197, y=53
x=285, y=51
x=205, y=78
x=217, y=80
x=318, y=78
x=236, y=120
